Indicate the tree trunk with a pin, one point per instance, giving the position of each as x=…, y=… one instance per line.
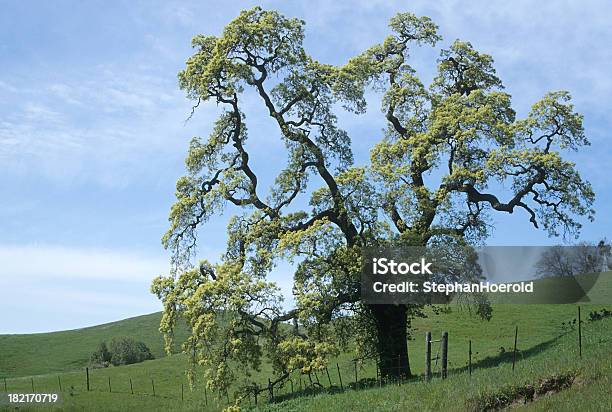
x=392, y=340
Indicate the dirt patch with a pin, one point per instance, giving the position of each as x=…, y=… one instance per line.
x=521, y=394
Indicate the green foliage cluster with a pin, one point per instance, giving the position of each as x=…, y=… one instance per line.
x=121, y=351
x=101, y=356
x=600, y=314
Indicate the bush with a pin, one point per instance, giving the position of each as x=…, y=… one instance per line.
x=125, y=351
x=101, y=357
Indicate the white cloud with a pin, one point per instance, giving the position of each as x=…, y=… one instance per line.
x=57, y=287
x=60, y=262
x=50, y=287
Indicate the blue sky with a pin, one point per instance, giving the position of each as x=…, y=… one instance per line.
x=93, y=132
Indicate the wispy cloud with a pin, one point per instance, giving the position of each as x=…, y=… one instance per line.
x=57, y=287
x=109, y=129
x=60, y=262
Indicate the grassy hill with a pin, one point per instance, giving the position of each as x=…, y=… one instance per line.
x=41, y=353
x=547, y=347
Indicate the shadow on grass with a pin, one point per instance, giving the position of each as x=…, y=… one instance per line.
x=506, y=357
x=365, y=383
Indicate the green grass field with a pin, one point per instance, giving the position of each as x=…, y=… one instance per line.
x=547, y=346
x=590, y=390
x=42, y=353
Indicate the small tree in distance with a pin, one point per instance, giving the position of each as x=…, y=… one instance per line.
x=125, y=351
x=580, y=259
x=435, y=177
x=101, y=357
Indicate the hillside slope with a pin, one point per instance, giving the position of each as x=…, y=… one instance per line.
x=40, y=353
x=547, y=345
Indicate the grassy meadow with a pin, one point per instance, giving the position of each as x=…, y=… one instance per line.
x=547, y=346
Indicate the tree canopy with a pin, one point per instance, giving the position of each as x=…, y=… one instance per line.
x=452, y=154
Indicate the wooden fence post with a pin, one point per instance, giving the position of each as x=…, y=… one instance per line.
x=470, y=357
x=427, y=356
x=182, y=392
x=32, y=379
x=109, y=386
x=579, y=332
x=339, y=377
x=87, y=377
x=5, y=385
x=131, y=387
x=59, y=382
x=206, y=397
x=328, y=378
x=153, y=386
x=444, y=355
x=514, y=351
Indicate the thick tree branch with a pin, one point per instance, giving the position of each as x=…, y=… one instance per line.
x=338, y=215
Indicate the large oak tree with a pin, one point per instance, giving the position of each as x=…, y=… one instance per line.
x=452, y=154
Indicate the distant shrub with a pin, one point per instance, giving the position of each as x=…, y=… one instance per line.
x=125, y=351
x=597, y=315
x=121, y=351
x=101, y=357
